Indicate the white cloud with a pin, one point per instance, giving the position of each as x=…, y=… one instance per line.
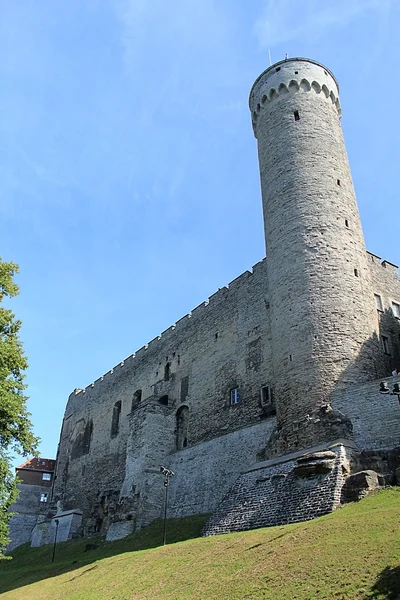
x=286, y=20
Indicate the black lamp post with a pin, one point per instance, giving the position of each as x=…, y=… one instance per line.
x=167, y=476
x=383, y=389
x=57, y=522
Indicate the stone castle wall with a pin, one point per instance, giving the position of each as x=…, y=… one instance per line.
x=223, y=345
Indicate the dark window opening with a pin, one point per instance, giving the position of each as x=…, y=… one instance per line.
x=385, y=344
x=277, y=69
x=266, y=396
x=290, y=358
x=167, y=371
x=115, y=419
x=296, y=115
x=182, y=427
x=234, y=396
x=356, y=272
x=346, y=222
x=164, y=400
x=338, y=182
x=216, y=335
x=136, y=399
x=296, y=72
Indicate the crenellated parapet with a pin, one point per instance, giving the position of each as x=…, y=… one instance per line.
x=197, y=313
x=289, y=77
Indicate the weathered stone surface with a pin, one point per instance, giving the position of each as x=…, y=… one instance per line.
x=275, y=496
x=327, y=454
x=313, y=468
x=360, y=484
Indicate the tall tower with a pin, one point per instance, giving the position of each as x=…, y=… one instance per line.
x=323, y=319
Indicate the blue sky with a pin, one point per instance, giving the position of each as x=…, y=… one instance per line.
x=130, y=187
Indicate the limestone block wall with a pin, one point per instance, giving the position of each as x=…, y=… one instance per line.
x=204, y=473
x=375, y=417
x=322, y=313
x=386, y=285
x=222, y=345
x=27, y=508
x=275, y=495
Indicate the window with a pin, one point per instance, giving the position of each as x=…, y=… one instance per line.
x=266, y=396
x=136, y=399
x=46, y=476
x=346, y=222
x=356, y=272
x=296, y=115
x=164, y=400
x=115, y=419
x=385, y=344
x=378, y=302
x=234, y=396
x=338, y=182
x=43, y=497
x=396, y=309
x=167, y=369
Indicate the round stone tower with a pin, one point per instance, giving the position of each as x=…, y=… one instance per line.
x=323, y=318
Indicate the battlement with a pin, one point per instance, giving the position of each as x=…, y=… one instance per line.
x=291, y=76
x=385, y=264
x=221, y=295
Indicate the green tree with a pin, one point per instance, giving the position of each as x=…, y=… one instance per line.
x=15, y=427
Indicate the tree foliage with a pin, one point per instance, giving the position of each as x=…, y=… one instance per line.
x=15, y=427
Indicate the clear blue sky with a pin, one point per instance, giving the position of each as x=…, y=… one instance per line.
x=129, y=177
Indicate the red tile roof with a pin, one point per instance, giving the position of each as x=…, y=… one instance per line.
x=39, y=464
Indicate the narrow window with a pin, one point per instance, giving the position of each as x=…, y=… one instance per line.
x=182, y=426
x=115, y=419
x=296, y=72
x=378, y=302
x=296, y=115
x=356, y=272
x=164, y=400
x=396, y=309
x=338, y=182
x=385, y=344
x=277, y=69
x=43, y=497
x=346, y=222
x=234, y=396
x=167, y=371
x=266, y=396
x=290, y=358
x=216, y=336
x=136, y=399
x=46, y=476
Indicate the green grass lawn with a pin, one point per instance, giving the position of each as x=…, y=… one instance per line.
x=352, y=554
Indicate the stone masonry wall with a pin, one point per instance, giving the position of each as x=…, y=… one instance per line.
x=275, y=495
x=375, y=417
x=27, y=508
x=222, y=345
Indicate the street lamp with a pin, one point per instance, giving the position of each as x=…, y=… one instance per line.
x=57, y=522
x=383, y=389
x=167, y=476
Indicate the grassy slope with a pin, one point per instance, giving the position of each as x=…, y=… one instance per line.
x=352, y=554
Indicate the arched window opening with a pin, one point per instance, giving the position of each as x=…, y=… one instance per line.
x=167, y=371
x=182, y=427
x=115, y=419
x=136, y=399
x=164, y=400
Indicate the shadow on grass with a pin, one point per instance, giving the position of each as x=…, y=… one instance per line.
x=387, y=585
x=30, y=565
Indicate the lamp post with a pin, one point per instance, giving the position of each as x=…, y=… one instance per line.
x=57, y=522
x=383, y=389
x=167, y=476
